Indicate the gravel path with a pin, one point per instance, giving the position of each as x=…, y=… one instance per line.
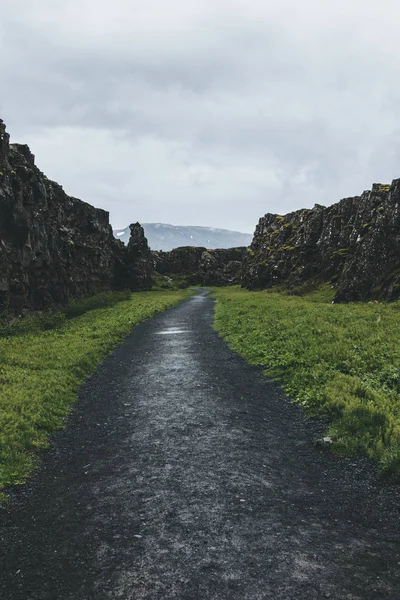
x=184, y=474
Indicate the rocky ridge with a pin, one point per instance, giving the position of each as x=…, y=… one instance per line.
x=54, y=247
x=353, y=244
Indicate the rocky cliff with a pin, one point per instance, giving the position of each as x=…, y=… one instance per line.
x=54, y=247
x=202, y=266
x=354, y=244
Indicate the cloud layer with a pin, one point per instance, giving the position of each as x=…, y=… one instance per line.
x=208, y=113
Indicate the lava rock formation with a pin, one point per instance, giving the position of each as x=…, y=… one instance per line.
x=54, y=247
x=353, y=244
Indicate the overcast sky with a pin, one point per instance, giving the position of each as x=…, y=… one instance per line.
x=208, y=112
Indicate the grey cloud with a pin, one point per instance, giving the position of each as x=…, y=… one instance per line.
x=211, y=120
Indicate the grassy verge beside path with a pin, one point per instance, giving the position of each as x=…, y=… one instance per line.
x=45, y=358
x=341, y=362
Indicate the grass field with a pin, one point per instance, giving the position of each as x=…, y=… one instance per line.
x=44, y=359
x=340, y=362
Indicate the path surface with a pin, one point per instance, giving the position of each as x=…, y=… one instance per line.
x=184, y=474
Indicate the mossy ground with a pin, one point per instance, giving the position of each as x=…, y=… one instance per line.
x=44, y=359
x=340, y=362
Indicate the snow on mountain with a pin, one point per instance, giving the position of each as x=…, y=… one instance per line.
x=162, y=236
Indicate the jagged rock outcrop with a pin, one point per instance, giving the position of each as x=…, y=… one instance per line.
x=54, y=247
x=354, y=244
x=201, y=266
x=134, y=265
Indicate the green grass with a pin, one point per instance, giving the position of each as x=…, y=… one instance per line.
x=340, y=362
x=44, y=359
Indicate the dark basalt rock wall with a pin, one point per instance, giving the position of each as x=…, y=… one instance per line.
x=54, y=247
x=354, y=244
x=202, y=266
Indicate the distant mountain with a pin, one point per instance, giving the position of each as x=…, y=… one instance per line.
x=166, y=237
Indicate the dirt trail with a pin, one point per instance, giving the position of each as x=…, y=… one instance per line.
x=184, y=474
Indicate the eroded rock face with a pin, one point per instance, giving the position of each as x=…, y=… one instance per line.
x=354, y=244
x=202, y=266
x=54, y=247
